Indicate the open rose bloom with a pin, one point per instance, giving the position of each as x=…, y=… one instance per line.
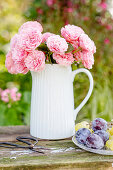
x=30, y=49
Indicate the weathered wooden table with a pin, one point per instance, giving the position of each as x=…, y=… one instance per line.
x=62, y=154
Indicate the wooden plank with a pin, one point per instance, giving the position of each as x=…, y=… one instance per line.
x=10, y=130
x=9, y=133
x=61, y=154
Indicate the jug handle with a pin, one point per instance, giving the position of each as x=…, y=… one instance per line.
x=83, y=70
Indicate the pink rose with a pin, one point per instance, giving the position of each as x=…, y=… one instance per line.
x=18, y=54
x=29, y=40
x=31, y=25
x=9, y=63
x=64, y=59
x=94, y=47
x=21, y=67
x=71, y=32
x=35, y=61
x=86, y=43
x=15, y=67
x=45, y=36
x=14, y=41
x=57, y=44
x=87, y=59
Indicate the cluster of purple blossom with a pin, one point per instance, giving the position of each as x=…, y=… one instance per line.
x=10, y=95
x=24, y=54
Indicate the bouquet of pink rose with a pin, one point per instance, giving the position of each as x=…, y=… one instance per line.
x=30, y=49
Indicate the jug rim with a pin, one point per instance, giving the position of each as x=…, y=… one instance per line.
x=54, y=67
x=57, y=65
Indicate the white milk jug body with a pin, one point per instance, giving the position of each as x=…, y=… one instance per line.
x=52, y=102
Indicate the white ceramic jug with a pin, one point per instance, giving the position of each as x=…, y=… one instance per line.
x=52, y=102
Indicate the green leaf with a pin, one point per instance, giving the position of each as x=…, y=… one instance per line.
x=12, y=117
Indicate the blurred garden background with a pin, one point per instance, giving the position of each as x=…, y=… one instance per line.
x=95, y=17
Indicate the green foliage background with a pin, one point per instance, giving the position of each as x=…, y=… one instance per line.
x=86, y=14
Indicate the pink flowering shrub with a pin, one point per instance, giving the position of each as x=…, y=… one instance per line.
x=10, y=95
x=30, y=49
x=14, y=105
